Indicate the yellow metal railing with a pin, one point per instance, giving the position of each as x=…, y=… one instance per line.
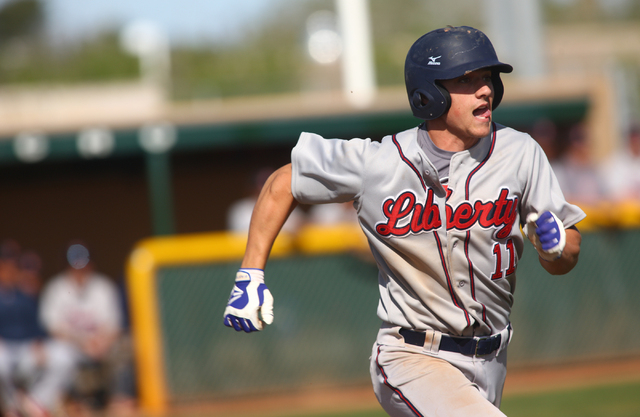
x=621, y=215
x=152, y=254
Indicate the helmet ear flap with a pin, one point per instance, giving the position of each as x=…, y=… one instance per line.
x=421, y=99
x=430, y=103
x=445, y=95
x=498, y=89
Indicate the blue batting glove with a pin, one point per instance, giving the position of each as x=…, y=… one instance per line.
x=548, y=231
x=249, y=297
x=547, y=234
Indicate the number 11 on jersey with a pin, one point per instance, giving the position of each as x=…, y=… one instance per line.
x=497, y=253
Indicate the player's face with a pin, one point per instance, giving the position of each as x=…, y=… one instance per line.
x=469, y=117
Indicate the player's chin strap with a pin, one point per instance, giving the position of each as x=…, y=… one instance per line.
x=546, y=232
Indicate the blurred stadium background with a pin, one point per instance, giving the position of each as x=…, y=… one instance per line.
x=133, y=140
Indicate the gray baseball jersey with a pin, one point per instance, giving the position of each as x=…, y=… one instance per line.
x=447, y=256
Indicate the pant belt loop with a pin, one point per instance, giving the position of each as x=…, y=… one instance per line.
x=506, y=335
x=432, y=341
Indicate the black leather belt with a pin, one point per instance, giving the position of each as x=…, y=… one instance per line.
x=474, y=346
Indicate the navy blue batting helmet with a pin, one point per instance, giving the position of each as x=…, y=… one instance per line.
x=444, y=54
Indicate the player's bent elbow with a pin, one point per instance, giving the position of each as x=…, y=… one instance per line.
x=561, y=266
x=279, y=183
x=570, y=255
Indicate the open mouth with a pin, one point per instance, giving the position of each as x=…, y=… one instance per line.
x=483, y=112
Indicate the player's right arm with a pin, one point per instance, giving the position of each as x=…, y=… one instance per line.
x=326, y=171
x=271, y=211
x=250, y=304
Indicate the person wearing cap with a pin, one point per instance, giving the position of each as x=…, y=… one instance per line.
x=441, y=205
x=82, y=307
x=34, y=369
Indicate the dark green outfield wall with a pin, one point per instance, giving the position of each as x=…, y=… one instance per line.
x=325, y=319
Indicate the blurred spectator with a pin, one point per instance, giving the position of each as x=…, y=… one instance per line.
x=34, y=370
x=577, y=173
x=545, y=132
x=340, y=214
x=29, y=267
x=82, y=307
x=333, y=214
x=622, y=170
x=239, y=213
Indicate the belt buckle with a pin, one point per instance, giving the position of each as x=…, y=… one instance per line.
x=478, y=341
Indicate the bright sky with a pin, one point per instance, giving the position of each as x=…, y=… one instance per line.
x=183, y=20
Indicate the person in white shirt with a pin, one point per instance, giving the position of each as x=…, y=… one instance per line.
x=82, y=307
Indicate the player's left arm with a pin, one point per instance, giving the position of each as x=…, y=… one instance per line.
x=558, y=248
x=569, y=257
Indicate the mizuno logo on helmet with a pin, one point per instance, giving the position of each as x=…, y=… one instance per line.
x=432, y=60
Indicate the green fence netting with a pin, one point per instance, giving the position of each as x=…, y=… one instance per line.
x=325, y=319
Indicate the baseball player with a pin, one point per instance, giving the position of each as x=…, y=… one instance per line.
x=441, y=206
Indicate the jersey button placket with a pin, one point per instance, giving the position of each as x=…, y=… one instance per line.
x=454, y=244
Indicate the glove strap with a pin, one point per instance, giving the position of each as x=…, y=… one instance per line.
x=250, y=274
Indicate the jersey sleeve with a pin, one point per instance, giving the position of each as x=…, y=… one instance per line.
x=543, y=192
x=327, y=170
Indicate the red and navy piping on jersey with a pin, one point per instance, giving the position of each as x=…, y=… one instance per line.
x=395, y=389
x=454, y=297
x=471, y=174
x=499, y=213
x=472, y=278
x=484, y=161
x=408, y=162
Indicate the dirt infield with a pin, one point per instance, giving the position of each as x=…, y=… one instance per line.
x=519, y=381
x=546, y=378
x=320, y=401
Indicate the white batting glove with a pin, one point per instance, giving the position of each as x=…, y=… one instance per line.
x=547, y=234
x=249, y=297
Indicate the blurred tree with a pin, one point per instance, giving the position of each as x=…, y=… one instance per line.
x=574, y=11
x=97, y=59
x=271, y=57
x=20, y=18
